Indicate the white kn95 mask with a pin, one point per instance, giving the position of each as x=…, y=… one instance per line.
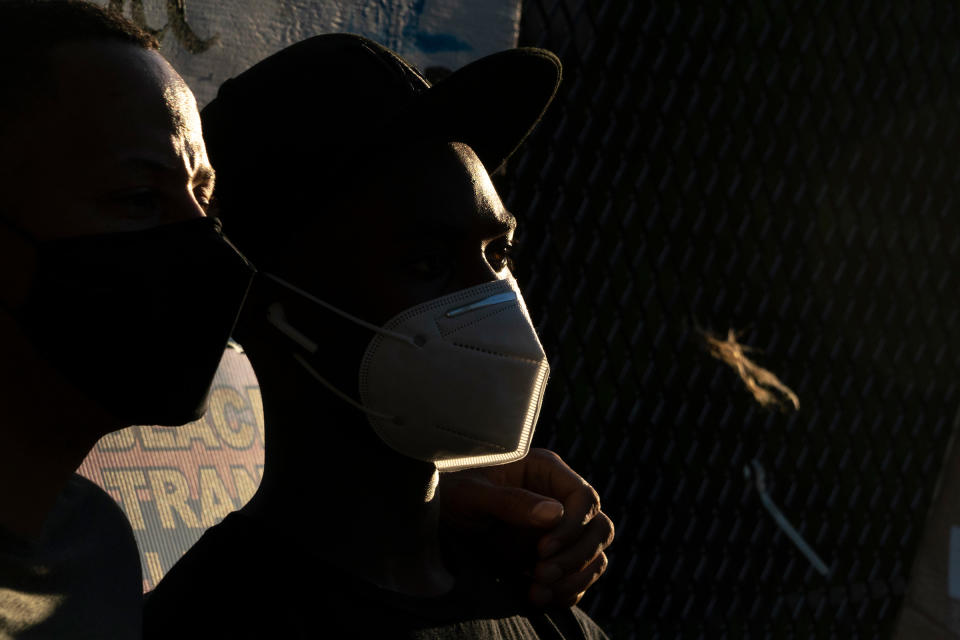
x=457, y=381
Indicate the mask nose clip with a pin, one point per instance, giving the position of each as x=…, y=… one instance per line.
x=480, y=304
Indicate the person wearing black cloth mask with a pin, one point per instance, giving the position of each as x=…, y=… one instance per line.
x=117, y=295
x=390, y=341
x=117, y=298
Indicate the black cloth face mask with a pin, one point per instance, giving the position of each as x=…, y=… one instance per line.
x=136, y=320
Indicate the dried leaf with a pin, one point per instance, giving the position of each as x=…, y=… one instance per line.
x=762, y=383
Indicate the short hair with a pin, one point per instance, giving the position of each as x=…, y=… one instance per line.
x=30, y=29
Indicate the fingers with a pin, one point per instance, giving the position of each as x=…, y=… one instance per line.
x=522, y=508
x=580, y=507
x=595, y=538
x=466, y=498
x=546, y=473
x=569, y=590
x=567, y=574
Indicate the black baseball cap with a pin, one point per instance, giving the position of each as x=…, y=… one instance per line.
x=304, y=117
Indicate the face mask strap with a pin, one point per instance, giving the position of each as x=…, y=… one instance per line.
x=278, y=319
x=337, y=392
x=343, y=314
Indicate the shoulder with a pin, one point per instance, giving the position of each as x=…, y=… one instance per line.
x=228, y=568
x=84, y=501
x=87, y=556
x=238, y=548
x=86, y=526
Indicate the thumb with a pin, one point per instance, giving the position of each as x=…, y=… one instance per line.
x=522, y=508
x=513, y=506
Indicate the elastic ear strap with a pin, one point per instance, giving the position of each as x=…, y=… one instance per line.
x=343, y=314
x=278, y=319
x=338, y=393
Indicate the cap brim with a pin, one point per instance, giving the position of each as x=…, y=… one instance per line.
x=491, y=104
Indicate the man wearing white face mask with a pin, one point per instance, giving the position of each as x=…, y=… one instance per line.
x=456, y=381
x=389, y=339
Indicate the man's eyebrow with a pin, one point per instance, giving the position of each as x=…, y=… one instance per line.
x=205, y=173
x=149, y=163
x=489, y=227
x=503, y=224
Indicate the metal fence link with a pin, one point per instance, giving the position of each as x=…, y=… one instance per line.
x=787, y=170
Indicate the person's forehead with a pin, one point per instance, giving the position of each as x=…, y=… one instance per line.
x=118, y=106
x=113, y=115
x=442, y=185
x=119, y=94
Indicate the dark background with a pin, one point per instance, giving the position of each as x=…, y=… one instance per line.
x=785, y=169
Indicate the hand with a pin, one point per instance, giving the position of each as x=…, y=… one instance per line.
x=542, y=493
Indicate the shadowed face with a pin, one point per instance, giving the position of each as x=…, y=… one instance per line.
x=115, y=146
x=427, y=222
x=418, y=223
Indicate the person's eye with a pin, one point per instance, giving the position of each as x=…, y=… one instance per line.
x=204, y=197
x=139, y=203
x=500, y=256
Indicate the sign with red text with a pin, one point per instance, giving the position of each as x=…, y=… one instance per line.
x=175, y=482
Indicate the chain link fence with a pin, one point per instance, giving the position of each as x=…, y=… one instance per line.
x=788, y=171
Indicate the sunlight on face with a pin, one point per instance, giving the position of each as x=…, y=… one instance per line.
x=118, y=146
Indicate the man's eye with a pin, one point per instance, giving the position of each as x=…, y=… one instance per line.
x=139, y=203
x=204, y=196
x=500, y=256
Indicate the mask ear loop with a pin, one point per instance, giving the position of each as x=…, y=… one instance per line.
x=343, y=314
x=275, y=316
x=278, y=319
x=338, y=393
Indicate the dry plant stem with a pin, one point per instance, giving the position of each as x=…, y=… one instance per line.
x=763, y=384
